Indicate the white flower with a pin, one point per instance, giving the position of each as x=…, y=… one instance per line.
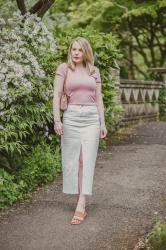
x=10, y=21
x=41, y=73
x=27, y=70
x=27, y=84
x=3, y=86
x=4, y=70
x=46, y=133
x=50, y=137
x=19, y=62
x=16, y=83
x=2, y=21
x=2, y=76
x=25, y=33
x=11, y=75
x=3, y=93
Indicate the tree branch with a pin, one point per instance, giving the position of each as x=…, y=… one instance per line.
x=36, y=7
x=141, y=51
x=21, y=6
x=139, y=70
x=41, y=7
x=152, y=45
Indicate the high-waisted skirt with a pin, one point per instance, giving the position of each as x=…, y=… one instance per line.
x=81, y=127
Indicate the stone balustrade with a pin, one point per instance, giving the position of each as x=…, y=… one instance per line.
x=138, y=98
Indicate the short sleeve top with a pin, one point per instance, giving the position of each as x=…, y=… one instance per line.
x=79, y=86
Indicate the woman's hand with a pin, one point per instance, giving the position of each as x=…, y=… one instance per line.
x=103, y=131
x=58, y=127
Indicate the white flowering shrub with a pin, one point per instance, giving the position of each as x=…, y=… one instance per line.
x=25, y=86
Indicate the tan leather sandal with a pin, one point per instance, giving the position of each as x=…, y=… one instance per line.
x=78, y=217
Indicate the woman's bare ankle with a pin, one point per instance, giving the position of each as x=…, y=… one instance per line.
x=80, y=205
x=80, y=208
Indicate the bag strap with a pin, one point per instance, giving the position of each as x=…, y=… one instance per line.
x=65, y=79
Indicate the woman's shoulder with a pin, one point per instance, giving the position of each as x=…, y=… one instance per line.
x=61, y=68
x=63, y=65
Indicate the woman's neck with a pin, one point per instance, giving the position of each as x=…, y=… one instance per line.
x=80, y=65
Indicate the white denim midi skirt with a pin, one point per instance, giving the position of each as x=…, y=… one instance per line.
x=81, y=127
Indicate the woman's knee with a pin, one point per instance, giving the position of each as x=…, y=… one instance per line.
x=81, y=163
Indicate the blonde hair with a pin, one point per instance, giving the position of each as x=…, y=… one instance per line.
x=88, y=58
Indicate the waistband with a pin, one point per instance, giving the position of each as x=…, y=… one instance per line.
x=80, y=104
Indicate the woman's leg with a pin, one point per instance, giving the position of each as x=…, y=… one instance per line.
x=81, y=198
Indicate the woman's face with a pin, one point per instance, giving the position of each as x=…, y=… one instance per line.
x=77, y=53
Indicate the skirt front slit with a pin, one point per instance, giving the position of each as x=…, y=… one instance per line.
x=81, y=129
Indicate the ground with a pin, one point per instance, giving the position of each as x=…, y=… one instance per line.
x=129, y=195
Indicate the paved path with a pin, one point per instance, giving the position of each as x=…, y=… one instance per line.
x=129, y=194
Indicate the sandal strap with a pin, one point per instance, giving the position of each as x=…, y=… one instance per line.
x=77, y=218
x=80, y=215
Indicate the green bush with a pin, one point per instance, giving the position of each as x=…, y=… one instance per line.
x=106, y=53
x=29, y=147
x=26, y=106
x=9, y=190
x=25, y=87
x=157, y=237
x=41, y=166
x=162, y=99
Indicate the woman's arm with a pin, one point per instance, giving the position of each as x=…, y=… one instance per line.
x=99, y=99
x=58, y=90
x=100, y=104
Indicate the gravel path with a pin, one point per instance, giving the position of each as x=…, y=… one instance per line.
x=129, y=194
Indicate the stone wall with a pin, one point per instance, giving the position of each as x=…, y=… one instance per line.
x=138, y=98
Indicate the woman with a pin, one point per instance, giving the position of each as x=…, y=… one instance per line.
x=83, y=121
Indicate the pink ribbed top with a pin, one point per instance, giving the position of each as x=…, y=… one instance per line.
x=79, y=86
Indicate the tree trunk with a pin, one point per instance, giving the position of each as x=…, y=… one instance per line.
x=40, y=8
x=130, y=61
x=21, y=6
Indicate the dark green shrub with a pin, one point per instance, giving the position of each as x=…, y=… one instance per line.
x=41, y=166
x=157, y=237
x=106, y=54
x=9, y=190
x=162, y=99
x=29, y=147
x=24, y=85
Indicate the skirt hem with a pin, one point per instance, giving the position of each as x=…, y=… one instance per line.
x=77, y=193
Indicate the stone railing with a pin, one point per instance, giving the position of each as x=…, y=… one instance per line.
x=138, y=98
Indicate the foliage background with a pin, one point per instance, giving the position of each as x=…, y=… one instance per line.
x=130, y=33
x=29, y=147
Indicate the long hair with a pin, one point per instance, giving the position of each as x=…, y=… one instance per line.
x=88, y=58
